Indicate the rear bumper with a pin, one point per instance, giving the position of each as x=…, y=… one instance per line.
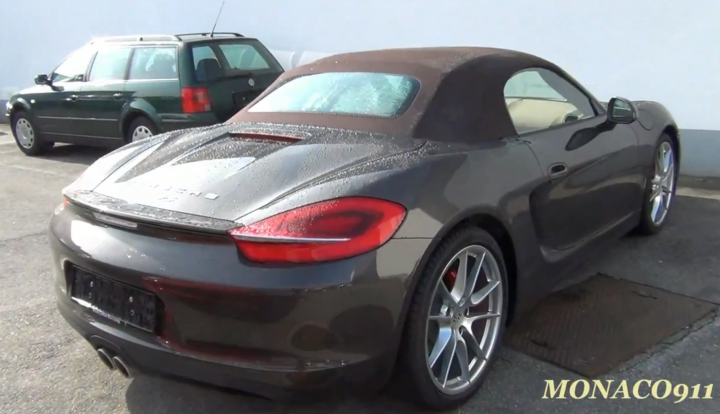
x=291, y=384
x=263, y=330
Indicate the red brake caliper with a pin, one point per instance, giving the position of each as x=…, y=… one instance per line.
x=449, y=279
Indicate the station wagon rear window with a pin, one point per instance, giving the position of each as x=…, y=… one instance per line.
x=230, y=59
x=343, y=93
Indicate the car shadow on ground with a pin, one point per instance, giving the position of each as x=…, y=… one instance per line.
x=147, y=394
x=74, y=154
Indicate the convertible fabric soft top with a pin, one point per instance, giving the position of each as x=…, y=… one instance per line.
x=460, y=97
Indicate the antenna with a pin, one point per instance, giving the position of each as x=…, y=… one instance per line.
x=217, y=18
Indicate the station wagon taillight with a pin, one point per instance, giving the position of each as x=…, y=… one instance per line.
x=329, y=230
x=195, y=100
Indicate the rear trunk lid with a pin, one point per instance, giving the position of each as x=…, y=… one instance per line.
x=228, y=171
x=234, y=71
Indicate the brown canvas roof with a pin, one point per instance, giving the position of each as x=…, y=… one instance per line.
x=460, y=97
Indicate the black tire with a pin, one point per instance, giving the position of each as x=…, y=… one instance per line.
x=137, y=124
x=414, y=375
x=38, y=144
x=647, y=225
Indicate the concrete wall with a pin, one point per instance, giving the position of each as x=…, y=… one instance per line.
x=663, y=50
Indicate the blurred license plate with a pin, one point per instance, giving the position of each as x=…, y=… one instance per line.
x=116, y=301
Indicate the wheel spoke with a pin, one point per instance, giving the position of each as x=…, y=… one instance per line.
x=444, y=336
x=447, y=360
x=463, y=360
x=442, y=319
x=656, y=207
x=667, y=156
x=472, y=343
x=461, y=280
x=483, y=293
x=481, y=317
x=659, y=167
x=445, y=294
x=472, y=278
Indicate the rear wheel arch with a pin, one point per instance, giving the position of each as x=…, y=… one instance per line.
x=130, y=117
x=456, y=234
x=486, y=221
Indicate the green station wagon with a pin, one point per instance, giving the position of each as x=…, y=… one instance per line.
x=120, y=89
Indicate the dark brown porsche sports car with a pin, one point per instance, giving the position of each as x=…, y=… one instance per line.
x=369, y=212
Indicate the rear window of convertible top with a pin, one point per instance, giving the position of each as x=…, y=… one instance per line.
x=343, y=93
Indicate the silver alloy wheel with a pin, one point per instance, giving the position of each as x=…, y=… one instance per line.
x=141, y=132
x=457, y=349
x=24, y=133
x=663, y=183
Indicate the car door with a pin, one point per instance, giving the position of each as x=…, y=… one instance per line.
x=47, y=104
x=98, y=103
x=153, y=84
x=591, y=176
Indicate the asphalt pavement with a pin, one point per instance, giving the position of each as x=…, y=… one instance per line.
x=45, y=367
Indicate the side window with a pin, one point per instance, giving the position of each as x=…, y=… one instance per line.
x=110, y=64
x=538, y=99
x=154, y=63
x=205, y=62
x=243, y=57
x=201, y=53
x=73, y=68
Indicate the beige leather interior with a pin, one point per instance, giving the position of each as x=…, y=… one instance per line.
x=536, y=114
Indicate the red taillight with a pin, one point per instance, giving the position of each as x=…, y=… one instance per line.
x=195, y=100
x=66, y=201
x=329, y=230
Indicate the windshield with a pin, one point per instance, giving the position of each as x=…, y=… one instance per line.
x=343, y=93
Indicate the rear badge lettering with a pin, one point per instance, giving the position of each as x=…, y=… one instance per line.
x=176, y=190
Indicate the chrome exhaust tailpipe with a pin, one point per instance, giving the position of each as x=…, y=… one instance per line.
x=106, y=357
x=122, y=367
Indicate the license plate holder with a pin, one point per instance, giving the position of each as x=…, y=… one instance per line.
x=241, y=99
x=116, y=301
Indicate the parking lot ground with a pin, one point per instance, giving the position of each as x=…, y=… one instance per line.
x=45, y=367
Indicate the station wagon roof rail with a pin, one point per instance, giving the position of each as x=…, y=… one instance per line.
x=214, y=34
x=137, y=38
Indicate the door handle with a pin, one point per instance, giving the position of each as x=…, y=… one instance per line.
x=117, y=96
x=73, y=97
x=558, y=170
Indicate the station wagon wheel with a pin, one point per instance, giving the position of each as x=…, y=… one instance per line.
x=27, y=138
x=140, y=128
x=457, y=319
x=24, y=133
x=660, y=187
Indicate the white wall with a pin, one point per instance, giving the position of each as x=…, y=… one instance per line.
x=664, y=50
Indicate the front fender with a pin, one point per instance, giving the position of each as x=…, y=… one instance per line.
x=662, y=121
x=19, y=103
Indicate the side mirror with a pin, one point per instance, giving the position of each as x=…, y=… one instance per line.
x=42, y=80
x=621, y=111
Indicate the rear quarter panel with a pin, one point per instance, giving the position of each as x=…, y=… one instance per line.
x=442, y=185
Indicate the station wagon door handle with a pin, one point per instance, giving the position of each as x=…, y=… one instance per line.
x=117, y=96
x=558, y=170
x=73, y=97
